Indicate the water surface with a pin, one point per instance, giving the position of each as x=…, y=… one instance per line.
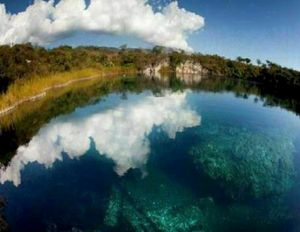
x=172, y=158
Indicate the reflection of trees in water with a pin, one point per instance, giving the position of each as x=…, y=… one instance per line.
x=282, y=97
x=119, y=129
x=19, y=127
x=170, y=208
x=23, y=128
x=286, y=98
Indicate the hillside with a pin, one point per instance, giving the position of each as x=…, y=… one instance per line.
x=26, y=61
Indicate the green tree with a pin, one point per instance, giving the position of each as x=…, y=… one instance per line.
x=157, y=50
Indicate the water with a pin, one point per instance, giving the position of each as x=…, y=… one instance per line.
x=183, y=158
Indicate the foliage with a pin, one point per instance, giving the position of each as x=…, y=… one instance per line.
x=176, y=58
x=270, y=74
x=24, y=61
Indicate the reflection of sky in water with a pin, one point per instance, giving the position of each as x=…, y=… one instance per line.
x=255, y=147
x=119, y=129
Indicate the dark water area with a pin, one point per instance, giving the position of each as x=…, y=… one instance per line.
x=202, y=155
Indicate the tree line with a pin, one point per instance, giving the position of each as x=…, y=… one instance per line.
x=243, y=68
x=28, y=61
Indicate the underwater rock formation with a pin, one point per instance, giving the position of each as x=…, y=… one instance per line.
x=247, y=162
x=156, y=203
x=153, y=204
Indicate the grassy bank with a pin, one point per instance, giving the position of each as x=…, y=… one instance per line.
x=26, y=89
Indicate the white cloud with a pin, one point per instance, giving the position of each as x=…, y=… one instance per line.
x=44, y=22
x=120, y=132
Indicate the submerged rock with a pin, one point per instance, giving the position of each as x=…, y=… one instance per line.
x=153, y=204
x=156, y=203
x=247, y=162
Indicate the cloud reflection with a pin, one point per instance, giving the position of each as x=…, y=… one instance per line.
x=119, y=129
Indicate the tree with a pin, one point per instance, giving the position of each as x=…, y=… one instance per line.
x=243, y=60
x=258, y=61
x=175, y=59
x=123, y=47
x=247, y=60
x=157, y=50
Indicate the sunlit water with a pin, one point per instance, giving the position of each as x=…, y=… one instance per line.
x=170, y=161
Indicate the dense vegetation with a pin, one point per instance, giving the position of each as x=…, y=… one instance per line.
x=243, y=68
x=24, y=61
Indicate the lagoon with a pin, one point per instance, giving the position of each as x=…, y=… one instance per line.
x=154, y=154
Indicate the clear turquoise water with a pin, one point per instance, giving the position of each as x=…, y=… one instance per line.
x=170, y=161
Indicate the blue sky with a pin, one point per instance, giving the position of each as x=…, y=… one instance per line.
x=264, y=29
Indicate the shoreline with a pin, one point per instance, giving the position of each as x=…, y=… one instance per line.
x=43, y=93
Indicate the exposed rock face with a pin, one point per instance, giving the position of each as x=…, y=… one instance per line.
x=190, y=67
x=154, y=69
x=184, y=70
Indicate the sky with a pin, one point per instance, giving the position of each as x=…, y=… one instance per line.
x=258, y=29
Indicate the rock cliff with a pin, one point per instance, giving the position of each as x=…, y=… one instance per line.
x=190, y=67
x=186, y=68
x=155, y=68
